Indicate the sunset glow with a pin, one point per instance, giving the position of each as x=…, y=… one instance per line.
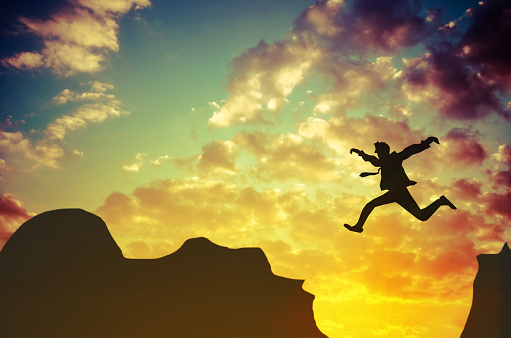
x=234, y=120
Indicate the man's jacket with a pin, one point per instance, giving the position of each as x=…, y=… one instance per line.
x=393, y=174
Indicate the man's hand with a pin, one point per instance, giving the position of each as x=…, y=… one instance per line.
x=356, y=151
x=432, y=139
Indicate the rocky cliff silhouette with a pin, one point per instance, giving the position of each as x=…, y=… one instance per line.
x=63, y=275
x=490, y=315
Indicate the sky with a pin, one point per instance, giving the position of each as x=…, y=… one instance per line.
x=233, y=120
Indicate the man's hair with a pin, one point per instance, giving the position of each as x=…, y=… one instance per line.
x=381, y=147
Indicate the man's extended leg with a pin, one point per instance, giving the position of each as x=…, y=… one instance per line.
x=386, y=198
x=404, y=199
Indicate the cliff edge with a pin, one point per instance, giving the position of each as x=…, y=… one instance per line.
x=63, y=275
x=490, y=315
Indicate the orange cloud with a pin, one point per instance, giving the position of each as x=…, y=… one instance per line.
x=287, y=156
x=464, y=148
x=353, y=84
x=344, y=133
x=499, y=204
x=12, y=215
x=218, y=157
x=397, y=260
x=467, y=189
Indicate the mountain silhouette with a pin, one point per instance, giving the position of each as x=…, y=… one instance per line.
x=63, y=275
x=490, y=315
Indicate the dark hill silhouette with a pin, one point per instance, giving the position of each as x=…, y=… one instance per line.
x=490, y=315
x=63, y=275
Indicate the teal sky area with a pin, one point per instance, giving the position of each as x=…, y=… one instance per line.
x=172, y=61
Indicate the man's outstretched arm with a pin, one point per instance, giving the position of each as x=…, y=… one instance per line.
x=368, y=158
x=417, y=148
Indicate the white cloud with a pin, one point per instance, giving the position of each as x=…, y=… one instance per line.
x=262, y=79
x=77, y=38
x=114, y=6
x=103, y=107
x=160, y=159
x=26, y=60
x=86, y=114
x=68, y=59
x=96, y=93
x=21, y=151
x=135, y=167
x=132, y=168
x=140, y=157
x=504, y=154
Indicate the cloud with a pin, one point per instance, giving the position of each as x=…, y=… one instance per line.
x=287, y=156
x=140, y=160
x=364, y=25
x=218, y=157
x=104, y=106
x=503, y=155
x=77, y=38
x=135, y=167
x=353, y=84
x=264, y=76
x=158, y=161
x=443, y=80
x=487, y=41
x=25, y=60
x=498, y=201
x=261, y=80
x=25, y=153
x=81, y=117
x=19, y=149
x=12, y=215
x=5, y=168
x=143, y=250
x=333, y=40
x=344, y=133
x=97, y=93
x=263, y=156
x=501, y=176
x=464, y=148
x=499, y=204
x=465, y=78
x=467, y=189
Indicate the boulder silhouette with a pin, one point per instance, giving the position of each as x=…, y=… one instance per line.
x=490, y=315
x=63, y=275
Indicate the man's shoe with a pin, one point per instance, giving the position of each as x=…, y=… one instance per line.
x=354, y=228
x=445, y=201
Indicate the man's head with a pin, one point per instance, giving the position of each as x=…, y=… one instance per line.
x=381, y=148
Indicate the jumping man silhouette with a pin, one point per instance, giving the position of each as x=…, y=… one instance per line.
x=394, y=179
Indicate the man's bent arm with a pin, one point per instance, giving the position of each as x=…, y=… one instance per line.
x=368, y=158
x=417, y=148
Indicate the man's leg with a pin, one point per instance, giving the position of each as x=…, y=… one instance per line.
x=404, y=199
x=386, y=198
